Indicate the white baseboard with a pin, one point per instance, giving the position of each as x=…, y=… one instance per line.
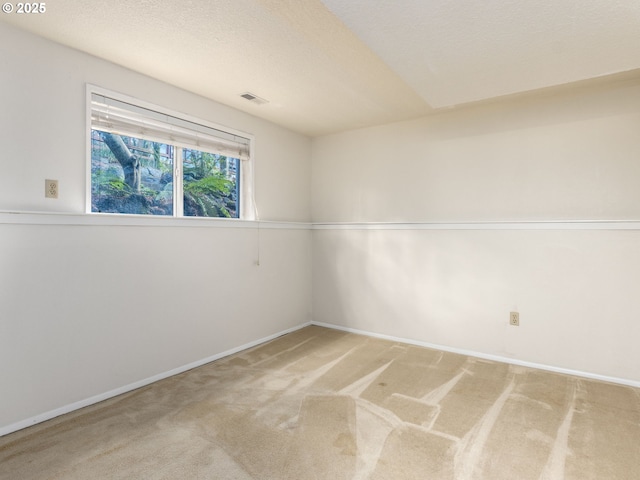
x=485, y=356
x=133, y=386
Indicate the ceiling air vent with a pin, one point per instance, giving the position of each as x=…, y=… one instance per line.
x=254, y=98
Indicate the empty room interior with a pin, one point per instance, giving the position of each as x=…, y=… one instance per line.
x=269, y=239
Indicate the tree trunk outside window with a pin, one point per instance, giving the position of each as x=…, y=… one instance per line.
x=130, y=162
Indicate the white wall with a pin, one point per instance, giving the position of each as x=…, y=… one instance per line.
x=564, y=157
x=44, y=127
x=556, y=158
x=88, y=309
x=89, y=304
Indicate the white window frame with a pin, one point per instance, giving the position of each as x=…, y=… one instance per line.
x=247, y=198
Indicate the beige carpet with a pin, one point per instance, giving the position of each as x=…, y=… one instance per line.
x=323, y=404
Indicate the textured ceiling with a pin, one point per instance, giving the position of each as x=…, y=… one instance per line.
x=341, y=64
x=455, y=52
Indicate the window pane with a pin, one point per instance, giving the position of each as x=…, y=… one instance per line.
x=210, y=184
x=130, y=175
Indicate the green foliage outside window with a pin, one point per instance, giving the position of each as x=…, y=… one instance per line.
x=209, y=183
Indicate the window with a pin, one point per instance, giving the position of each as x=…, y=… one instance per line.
x=148, y=161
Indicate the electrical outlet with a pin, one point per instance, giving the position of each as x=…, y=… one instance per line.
x=51, y=188
x=514, y=319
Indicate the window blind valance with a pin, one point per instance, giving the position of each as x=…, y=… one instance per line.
x=114, y=116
